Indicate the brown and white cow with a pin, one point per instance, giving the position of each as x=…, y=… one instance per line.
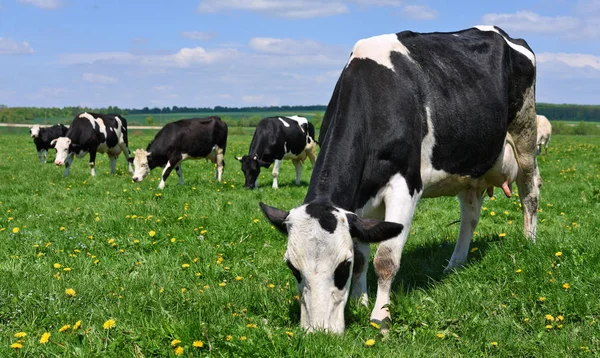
x=413, y=115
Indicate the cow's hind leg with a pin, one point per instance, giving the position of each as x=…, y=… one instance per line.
x=399, y=207
x=524, y=132
x=298, y=165
x=470, y=208
x=93, y=161
x=68, y=162
x=220, y=164
x=276, y=173
x=113, y=164
x=179, y=173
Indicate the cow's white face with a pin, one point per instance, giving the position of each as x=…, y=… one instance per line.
x=35, y=131
x=61, y=145
x=320, y=254
x=140, y=165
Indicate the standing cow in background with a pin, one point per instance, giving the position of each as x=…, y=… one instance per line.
x=93, y=133
x=544, y=132
x=194, y=138
x=413, y=115
x=43, y=137
x=276, y=139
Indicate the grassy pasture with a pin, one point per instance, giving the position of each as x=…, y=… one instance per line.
x=199, y=263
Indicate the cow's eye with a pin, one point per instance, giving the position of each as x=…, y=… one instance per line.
x=295, y=272
x=341, y=274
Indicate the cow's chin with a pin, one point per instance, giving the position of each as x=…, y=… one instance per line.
x=315, y=322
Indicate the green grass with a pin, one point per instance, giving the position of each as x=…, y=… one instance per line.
x=99, y=228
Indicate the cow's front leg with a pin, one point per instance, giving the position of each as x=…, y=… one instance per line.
x=113, y=164
x=126, y=152
x=68, y=162
x=470, y=208
x=173, y=162
x=93, y=161
x=220, y=164
x=298, y=165
x=276, y=173
x=45, y=156
x=400, y=207
x=362, y=253
x=179, y=174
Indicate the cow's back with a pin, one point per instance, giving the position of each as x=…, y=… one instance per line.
x=194, y=136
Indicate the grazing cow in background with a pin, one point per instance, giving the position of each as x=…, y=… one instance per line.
x=91, y=132
x=43, y=137
x=194, y=138
x=412, y=115
x=276, y=139
x=544, y=132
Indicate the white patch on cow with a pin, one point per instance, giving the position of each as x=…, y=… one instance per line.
x=35, y=131
x=102, y=127
x=300, y=120
x=521, y=49
x=379, y=49
x=275, y=173
x=286, y=124
x=62, y=149
x=89, y=117
x=316, y=253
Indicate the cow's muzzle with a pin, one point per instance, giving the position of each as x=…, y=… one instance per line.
x=58, y=163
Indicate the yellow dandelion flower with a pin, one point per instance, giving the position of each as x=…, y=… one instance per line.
x=558, y=254
x=67, y=269
x=62, y=228
x=203, y=232
x=375, y=325
x=175, y=342
x=518, y=271
x=566, y=286
x=251, y=325
x=161, y=290
x=548, y=326
x=549, y=317
x=20, y=335
x=369, y=342
x=289, y=334
x=16, y=345
x=271, y=285
x=173, y=240
x=526, y=319
x=45, y=338
x=440, y=335
x=492, y=213
x=494, y=344
x=178, y=351
x=506, y=213
x=228, y=338
x=70, y=292
x=198, y=344
x=256, y=221
x=222, y=284
x=15, y=230
x=152, y=233
x=542, y=299
x=183, y=290
x=560, y=318
x=239, y=278
x=502, y=234
x=64, y=328
x=185, y=266
x=76, y=325
x=109, y=324
x=474, y=249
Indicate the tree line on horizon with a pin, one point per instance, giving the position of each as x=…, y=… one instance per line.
x=554, y=112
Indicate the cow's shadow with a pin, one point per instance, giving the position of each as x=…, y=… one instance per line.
x=421, y=268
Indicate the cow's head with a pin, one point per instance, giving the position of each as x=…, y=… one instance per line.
x=61, y=145
x=251, y=168
x=34, y=131
x=140, y=165
x=320, y=253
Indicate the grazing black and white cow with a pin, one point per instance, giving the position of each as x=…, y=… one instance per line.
x=43, y=137
x=93, y=133
x=544, y=132
x=193, y=138
x=276, y=139
x=412, y=115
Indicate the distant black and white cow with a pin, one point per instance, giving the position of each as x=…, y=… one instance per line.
x=194, y=138
x=412, y=115
x=93, y=133
x=276, y=139
x=43, y=137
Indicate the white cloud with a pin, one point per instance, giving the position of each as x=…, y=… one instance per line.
x=419, y=12
x=286, y=46
x=199, y=35
x=299, y=9
x=253, y=98
x=527, y=21
x=162, y=88
x=44, y=4
x=12, y=47
x=96, y=57
x=576, y=60
x=99, y=79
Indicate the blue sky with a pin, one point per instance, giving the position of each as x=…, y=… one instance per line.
x=257, y=52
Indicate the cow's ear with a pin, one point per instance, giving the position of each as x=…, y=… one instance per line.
x=372, y=230
x=239, y=158
x=53, y=142
x=275, y=216
x=263, y=163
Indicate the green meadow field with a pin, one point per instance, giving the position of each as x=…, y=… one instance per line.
x=104, y=267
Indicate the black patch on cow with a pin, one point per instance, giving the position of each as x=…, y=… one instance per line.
x=295, y=271
x=47, y=135
x=324, y=213
x=341, y=274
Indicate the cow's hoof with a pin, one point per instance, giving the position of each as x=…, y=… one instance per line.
x=453, y=267
x=382, y=326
